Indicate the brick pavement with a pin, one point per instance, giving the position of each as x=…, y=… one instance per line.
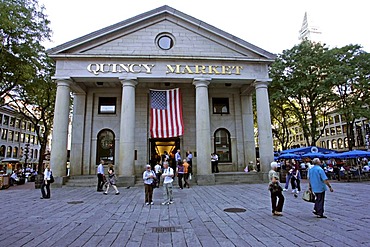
x=197, y=218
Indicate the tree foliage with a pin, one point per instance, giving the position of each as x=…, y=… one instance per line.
x=35, y=102
x=300, y=80
x=310, y=81
x=350, y=74
x=23, y=25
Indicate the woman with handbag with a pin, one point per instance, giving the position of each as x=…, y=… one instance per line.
x=276, y=191
x=148, y=177
x=46, y=183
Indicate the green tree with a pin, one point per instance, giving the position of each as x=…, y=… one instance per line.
x=23, y=26
x=35, y=102
x=350, y=73
x=300, y=79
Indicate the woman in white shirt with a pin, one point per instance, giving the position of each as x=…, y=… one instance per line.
x=46, y=183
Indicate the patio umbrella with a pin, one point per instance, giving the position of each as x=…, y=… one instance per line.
x=313, y=155
x=332, y=156
x=354, y=154
x=289, y=156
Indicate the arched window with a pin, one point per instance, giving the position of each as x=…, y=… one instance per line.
x=345, y=142
x=323, y=144
x=222, y=145
x=105, y=147
x=15, y=152
x=2, y=151
x=334, y=144
x=9, y=152
x=328, y=144
x=340, y=143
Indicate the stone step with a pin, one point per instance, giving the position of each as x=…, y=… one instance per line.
x=237, y=178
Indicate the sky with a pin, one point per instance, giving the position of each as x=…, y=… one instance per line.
x=272, y=25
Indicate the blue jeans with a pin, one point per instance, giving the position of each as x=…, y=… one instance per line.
x=167, y=192
x=288, y=176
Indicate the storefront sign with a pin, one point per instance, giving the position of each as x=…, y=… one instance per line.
x=135, y=68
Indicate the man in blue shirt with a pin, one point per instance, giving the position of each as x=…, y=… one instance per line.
x=317, y=184
x=178, y=157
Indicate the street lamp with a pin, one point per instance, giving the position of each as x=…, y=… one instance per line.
x=26, y=151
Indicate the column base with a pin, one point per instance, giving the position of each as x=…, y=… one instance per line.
x=206, y=179
x=59, y=182
x=265, y=177
x=125, y=181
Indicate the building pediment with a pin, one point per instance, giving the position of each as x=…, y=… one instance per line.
x=138, y=37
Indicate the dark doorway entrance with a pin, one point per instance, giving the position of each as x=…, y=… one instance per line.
x=159, y=146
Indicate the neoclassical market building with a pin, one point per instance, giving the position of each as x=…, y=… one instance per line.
x=110, y=73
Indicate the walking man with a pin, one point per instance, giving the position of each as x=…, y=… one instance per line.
x=167, y=183
x=100, y=174
x=317, y=182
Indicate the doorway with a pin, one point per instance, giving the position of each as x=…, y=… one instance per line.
x=105, y=147
x=159, y=145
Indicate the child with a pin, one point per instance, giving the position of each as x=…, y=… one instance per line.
x=111, y=181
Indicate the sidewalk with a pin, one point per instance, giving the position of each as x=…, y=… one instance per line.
x=84, y=217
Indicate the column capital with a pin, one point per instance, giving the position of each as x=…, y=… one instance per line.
x=62, y=81
x=128, y=82
x=201, y=82
x=262, y=83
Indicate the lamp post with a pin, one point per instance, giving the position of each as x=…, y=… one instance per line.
x=26, y=151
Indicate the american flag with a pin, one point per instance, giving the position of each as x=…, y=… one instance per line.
x=166, y=113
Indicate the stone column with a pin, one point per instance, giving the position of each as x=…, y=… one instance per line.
x=203, y=132
x=248, y=130
x=127, y=133
x=78, y=130
x=58, y=159
x=266, y=149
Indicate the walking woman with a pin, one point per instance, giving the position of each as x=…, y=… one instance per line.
x=46, y=183
x=112, y=180
x=276, y=191
x=148, y=177
x=295, y=180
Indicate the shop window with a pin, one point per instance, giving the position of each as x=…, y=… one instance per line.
x=323, y=145
x=32, y=139
x=15, y=152
x=23, y=125
x=220, y=105
x=334, y=144
x=340, y=143
x=345, y=142
x=36, y=153
x=2, y=151
x=332, y=131
x=9, y=152
x=107, y=105
x=29, y=126
x=222, y=145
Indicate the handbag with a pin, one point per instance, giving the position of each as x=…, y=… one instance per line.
x=155, y=181
x=275, y=187
x=51, y=178
x=308, y=196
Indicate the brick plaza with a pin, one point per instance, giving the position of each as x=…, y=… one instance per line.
x=84, y=217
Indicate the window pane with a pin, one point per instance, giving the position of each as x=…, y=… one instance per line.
x=107, y=105
x=222, y=145
x=220, y=105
